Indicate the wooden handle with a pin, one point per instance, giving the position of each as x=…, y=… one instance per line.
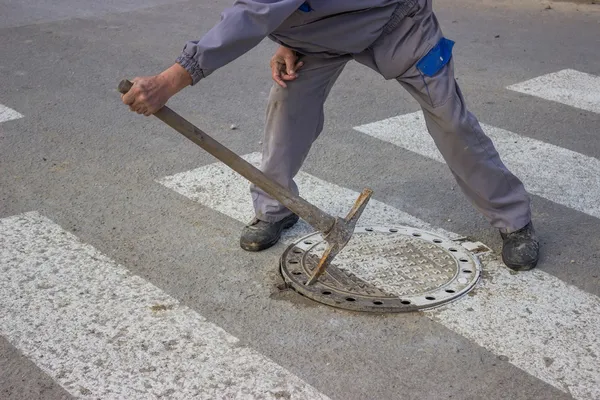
x=125, y=86
x=316, y=217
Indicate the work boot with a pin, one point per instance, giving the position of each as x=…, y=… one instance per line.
x=260, y=235
x=520, y=250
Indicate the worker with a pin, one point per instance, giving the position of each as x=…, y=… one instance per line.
x=399, y=39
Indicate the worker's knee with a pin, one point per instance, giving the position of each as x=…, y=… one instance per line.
x=278, y=94
x=287, y=99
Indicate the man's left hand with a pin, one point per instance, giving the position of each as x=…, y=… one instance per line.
x=284, y=66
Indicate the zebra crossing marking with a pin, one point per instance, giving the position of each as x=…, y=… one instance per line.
x=101, y=332
x=8, y=114
x=557, y=174
x=218, y=187
x=543, y=325
x=573, y=88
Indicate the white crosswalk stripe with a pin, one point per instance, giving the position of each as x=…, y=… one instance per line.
x=570, y=87
x=104, y=333
x=544, y=326
x=8, y=114
x=218, y=187
x=101, y=332
x=557, y=174
x=541, y=324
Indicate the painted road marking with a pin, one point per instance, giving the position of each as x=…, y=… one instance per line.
x=570, y=87
x=104, y=333
x=545, y=327
x=557, y=174
x=539, y=323
x=218, y=187
x=8, y=114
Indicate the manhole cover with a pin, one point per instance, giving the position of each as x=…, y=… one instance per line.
x=383, y=269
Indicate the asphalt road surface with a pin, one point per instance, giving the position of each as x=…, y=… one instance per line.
x=121, y=275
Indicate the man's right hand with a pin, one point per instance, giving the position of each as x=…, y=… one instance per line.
x=149, y=94
x=284, y=65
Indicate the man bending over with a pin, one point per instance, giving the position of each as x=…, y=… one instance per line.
x=399, y=39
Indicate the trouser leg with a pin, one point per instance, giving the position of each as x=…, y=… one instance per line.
x=476, y=165
x=294, y=120
x=494, y=190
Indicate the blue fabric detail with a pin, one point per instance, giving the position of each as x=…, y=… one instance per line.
x=437, y=57
x=305, y=7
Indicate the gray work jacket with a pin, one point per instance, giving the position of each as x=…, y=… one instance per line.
x=326, y=28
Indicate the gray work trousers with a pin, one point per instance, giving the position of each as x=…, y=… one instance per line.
x=295, y=119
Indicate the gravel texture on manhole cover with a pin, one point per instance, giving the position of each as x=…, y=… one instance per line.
x=383, y=269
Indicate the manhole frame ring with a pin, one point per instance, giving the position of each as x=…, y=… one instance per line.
x=314, y=291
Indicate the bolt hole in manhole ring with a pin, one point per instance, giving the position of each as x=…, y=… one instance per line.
x=384, y=269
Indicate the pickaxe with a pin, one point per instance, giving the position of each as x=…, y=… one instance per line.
x=336, y=231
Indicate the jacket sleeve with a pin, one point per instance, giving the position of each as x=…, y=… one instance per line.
x=242, y=27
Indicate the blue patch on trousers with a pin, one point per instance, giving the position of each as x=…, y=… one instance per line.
x=437, y=57
x=305, y=7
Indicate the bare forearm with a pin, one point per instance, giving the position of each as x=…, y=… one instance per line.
x=174, y=79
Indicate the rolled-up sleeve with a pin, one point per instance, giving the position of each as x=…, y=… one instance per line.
x=242, y=27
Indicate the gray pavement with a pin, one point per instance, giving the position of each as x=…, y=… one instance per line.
x=81, y=159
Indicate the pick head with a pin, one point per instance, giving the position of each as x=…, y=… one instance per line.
x=340, y=234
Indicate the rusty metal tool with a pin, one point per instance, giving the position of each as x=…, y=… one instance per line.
x=336, y=231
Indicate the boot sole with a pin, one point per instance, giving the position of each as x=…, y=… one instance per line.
x=520, y=268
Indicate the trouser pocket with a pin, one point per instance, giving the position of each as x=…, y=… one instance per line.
x=432, y=76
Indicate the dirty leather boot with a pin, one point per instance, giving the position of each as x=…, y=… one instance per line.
x=520, y=250
x=260, y=235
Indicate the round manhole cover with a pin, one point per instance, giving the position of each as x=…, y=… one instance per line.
x=383, y=269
